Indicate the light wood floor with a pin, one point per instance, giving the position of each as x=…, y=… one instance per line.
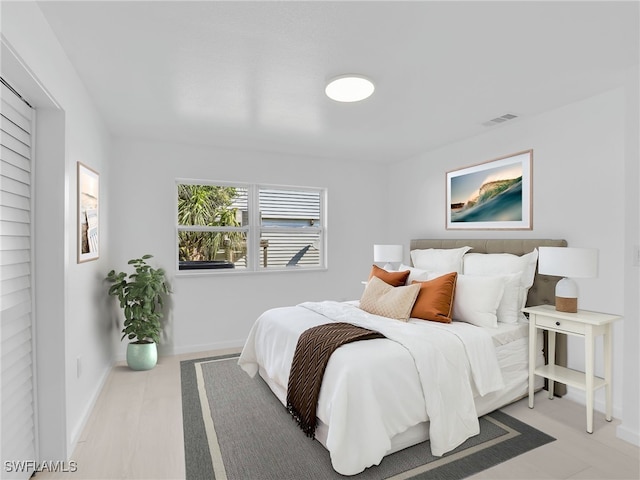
x=135, y=431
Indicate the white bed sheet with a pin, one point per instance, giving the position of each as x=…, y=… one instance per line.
x=352, y=450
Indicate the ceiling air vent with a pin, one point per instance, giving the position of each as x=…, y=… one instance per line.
x=501, y=119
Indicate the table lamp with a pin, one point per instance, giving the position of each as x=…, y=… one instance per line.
x=391, y=254
x=568, y=262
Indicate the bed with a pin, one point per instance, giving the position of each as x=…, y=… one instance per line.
x=424, y=379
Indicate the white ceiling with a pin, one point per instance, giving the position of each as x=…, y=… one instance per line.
x=252, y=74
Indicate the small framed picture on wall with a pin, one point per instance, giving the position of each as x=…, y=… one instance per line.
x=493, y=195
x=88, y=214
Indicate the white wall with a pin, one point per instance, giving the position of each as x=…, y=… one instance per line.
x=216, y=311
x=69, y=321
x=579, y=179
x=630, y=428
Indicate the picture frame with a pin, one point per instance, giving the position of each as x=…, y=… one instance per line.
x=492, y=195
x=88, y=214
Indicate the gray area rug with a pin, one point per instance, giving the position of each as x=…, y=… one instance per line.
x=235, y=428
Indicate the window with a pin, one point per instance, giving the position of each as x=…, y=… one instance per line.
x=242, y=227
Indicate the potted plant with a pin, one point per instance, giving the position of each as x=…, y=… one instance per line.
x=141, y=298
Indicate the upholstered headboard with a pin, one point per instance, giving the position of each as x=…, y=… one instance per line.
x=543, y=289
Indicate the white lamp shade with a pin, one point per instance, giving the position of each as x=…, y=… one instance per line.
x=568, y=262
x=387, y=253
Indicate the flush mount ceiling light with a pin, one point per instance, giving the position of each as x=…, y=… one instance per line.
x=349, y=88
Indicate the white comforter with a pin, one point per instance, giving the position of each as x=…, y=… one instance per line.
x=375, y=389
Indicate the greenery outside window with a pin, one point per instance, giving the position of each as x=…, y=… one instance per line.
x=240, y=227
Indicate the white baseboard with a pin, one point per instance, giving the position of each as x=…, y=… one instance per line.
x=627, y=434
x=578, y=396
x=209, y=346
x=164, y=350
x=77, y=431
x=623, y=432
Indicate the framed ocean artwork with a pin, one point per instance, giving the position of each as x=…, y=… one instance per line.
x=493, y=195
x=88, y=207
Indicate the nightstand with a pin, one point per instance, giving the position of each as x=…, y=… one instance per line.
x=582, y=324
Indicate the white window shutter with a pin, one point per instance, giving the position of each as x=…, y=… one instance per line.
x=18, y=447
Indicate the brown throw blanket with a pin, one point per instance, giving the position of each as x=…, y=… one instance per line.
x=310, y=358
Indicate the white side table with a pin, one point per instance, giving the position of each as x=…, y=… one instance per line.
x=582, y=324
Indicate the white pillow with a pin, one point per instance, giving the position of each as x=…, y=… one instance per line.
x=477, y=298
x=441, y=260
x=505, y=264
x=415, y=274
x=509, y=309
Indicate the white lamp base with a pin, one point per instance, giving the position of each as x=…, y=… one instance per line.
x=567, y=296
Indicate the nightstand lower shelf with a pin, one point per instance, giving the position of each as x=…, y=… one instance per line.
x=568, y=376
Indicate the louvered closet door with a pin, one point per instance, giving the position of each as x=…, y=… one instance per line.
x=16, y=390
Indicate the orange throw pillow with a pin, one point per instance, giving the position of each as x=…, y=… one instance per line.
x=435, y=299
x=395, y=279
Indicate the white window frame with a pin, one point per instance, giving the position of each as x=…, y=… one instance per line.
x=254, y=229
